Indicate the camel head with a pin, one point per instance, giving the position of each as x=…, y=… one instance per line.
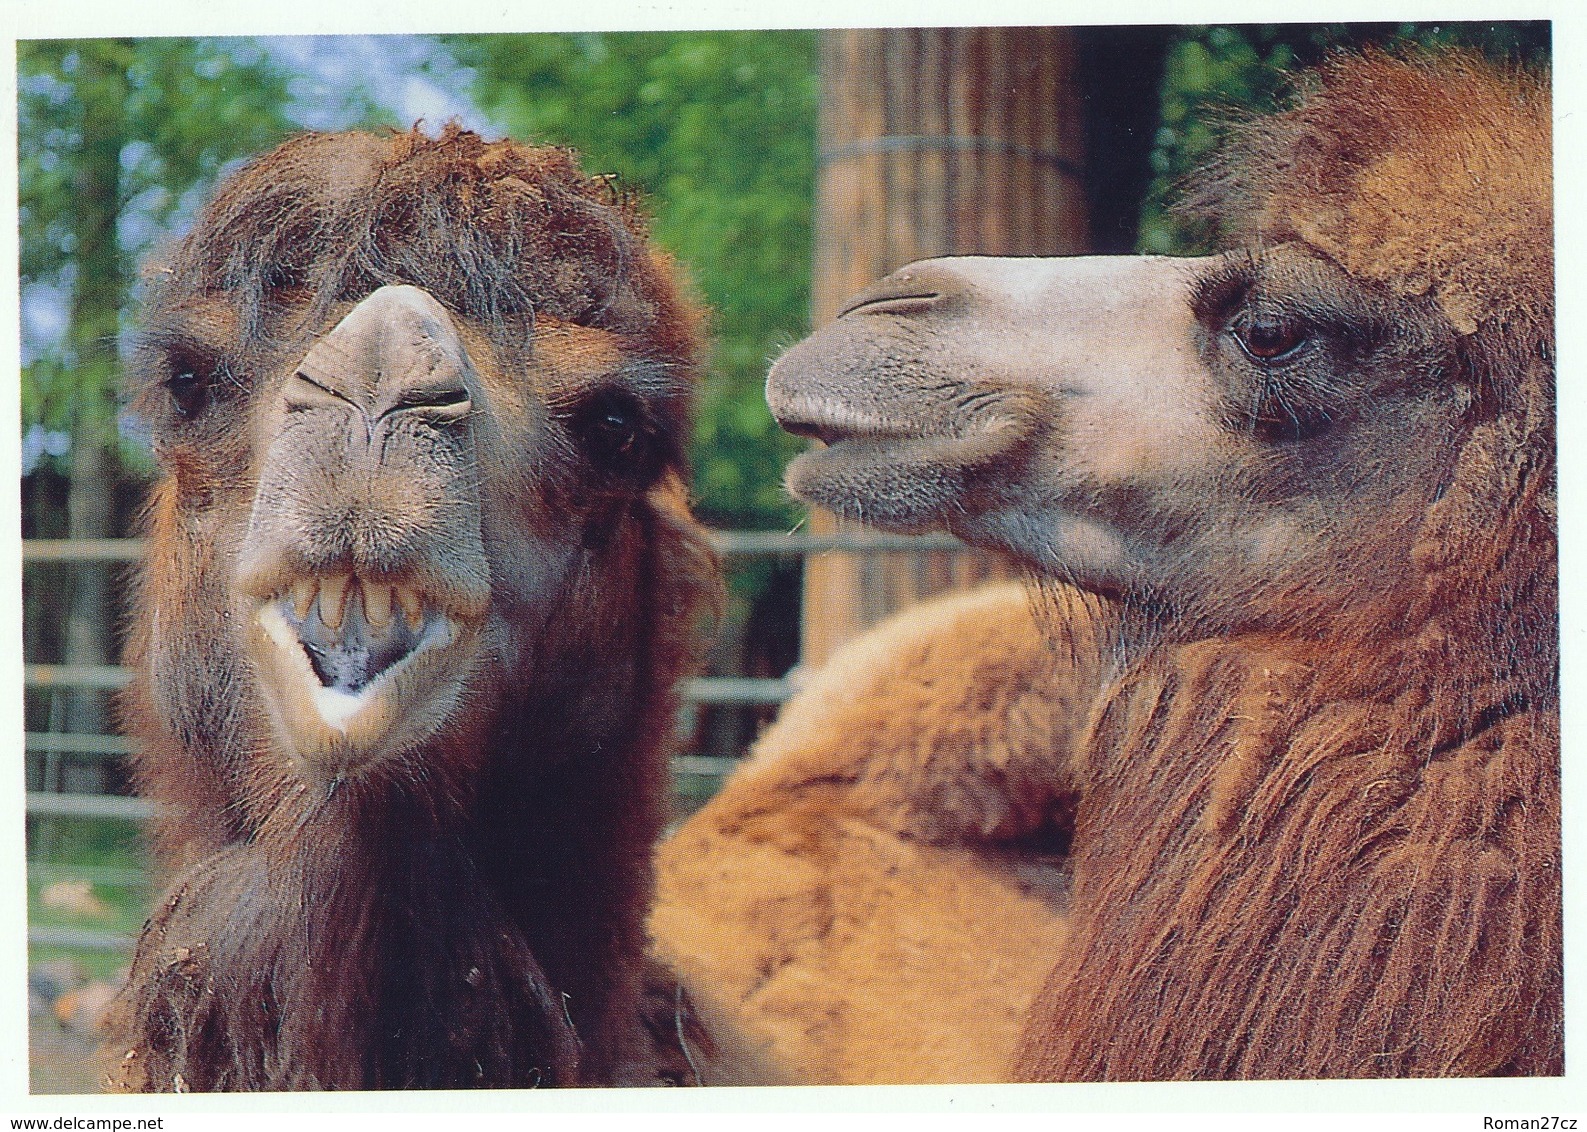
x=418, y=407
x=1300, y=429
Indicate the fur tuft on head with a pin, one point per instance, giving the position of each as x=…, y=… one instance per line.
x=497, y=231
x=1423, y=178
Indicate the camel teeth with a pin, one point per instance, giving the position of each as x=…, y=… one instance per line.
x=333, y=600
x=377, y=604
x=303, y=592
x=412, y=606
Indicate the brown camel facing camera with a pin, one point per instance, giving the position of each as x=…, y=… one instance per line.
x=420, y=586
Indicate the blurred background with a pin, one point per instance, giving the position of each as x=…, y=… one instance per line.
x=785, y=169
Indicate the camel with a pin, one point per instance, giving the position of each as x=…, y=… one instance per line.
x=1260, y=776
x=419, y=591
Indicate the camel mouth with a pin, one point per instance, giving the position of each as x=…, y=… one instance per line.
x=908, y=483
x=830, y=435
x=846, y=438
x=355, y=669
x=834, y=424
x=355, y=629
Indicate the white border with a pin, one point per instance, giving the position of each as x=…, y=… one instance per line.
x=1403, y=1104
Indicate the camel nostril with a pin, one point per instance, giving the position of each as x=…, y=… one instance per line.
x=396, y=351
x=914, y=289
x=432, y=398
x=891, y=304
x=443, y=403
x=303, y=391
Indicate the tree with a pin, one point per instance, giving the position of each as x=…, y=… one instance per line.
x=113, y=135
x=936, y=141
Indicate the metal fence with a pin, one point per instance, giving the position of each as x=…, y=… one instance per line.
x=721, y=691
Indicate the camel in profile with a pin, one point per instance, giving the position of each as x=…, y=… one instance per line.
x=1261, y=779
x=420, y=588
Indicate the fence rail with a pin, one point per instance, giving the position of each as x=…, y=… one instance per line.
x=713, y=690
x=717, y=691
x=97, y=677
x=47, y=803
x=82, y=939
x=81, y=549
x=727, y=543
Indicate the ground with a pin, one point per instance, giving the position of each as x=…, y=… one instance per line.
x=59, y=1060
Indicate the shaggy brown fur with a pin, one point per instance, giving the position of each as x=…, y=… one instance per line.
x=458, y=903
x=1370, y=824
x=1303, y=753
x=829, y=910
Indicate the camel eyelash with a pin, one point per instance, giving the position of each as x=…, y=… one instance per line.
x=1217, y=294
x=185, y=371
x=1275, y=326
x=1310, y=297
x=189, y=365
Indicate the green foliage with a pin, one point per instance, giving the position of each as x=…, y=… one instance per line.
x=125, y=904
x=116, y=137
x=1213, y=72
x=184, y=106
x=107, y=852
x=717, y=130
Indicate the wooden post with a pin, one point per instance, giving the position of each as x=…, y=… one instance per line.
x=933, y=142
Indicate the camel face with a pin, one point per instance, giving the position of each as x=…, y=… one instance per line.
x=390, y=528
x=1189, y=431
x=400, y=480
x=419, y=590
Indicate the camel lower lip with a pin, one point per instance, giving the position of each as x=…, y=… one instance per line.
x=874, y=481
x=850, y=458
x=905, y=483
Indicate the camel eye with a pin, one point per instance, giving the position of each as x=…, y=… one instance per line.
x=1270, y=339
x=189, y=385
x=617, y=430
x=612, y=427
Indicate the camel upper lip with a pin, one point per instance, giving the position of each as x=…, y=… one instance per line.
x=331, y=596
x=813, y=430
x=837, y=432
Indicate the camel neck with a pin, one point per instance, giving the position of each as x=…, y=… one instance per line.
x=339, y=964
